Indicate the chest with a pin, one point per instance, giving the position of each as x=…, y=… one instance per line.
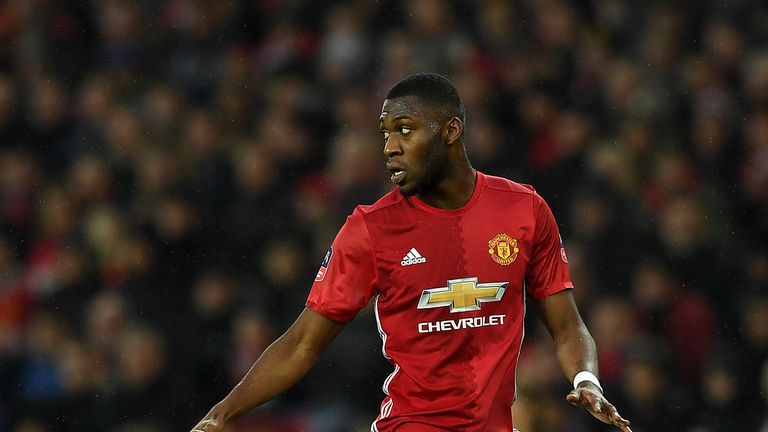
x=490, y=245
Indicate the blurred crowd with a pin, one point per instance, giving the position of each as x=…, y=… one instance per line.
x=172, y=172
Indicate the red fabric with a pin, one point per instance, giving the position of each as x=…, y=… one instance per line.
x=15, y=302
x=543, y=152
x=453, y=370
x=41, y=265
x=691, y=333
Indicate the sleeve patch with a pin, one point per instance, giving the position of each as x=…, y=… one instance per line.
x=563, y=256
x=324, y=266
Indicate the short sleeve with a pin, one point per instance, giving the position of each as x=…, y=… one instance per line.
x=345, y=281
x=548, y=271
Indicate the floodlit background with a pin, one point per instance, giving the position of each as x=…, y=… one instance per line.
x=172, y=172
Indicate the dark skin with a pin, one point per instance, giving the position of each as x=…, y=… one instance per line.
x=576, y=352
x=426, y=157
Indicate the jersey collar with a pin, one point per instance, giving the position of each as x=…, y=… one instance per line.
x=421, y=205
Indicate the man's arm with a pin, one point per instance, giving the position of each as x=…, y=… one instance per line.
x=282, y=364
x=576, y=352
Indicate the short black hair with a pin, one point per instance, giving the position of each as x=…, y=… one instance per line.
x=432, y=88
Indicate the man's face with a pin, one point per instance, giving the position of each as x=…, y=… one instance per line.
x=413, y=144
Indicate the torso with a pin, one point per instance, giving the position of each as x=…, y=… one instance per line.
x=450, y=302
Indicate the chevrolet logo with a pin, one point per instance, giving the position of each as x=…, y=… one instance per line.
x=462, y=295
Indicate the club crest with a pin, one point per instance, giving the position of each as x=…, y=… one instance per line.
x=503, y=249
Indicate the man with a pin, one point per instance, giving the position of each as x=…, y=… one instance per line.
x=448, y=256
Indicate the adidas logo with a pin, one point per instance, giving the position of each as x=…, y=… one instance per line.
x=413, y=257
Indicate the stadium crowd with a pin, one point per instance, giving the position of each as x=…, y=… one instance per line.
x=172, y=172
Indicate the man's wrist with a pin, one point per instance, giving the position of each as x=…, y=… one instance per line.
x=222, y=411
x=586, y=376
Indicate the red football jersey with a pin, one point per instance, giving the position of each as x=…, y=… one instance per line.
x=449, y=289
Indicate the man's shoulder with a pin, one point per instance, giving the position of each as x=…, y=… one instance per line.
x=392, y=199
x=506, y=185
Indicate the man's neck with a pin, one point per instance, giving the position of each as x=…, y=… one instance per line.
x=455, y=190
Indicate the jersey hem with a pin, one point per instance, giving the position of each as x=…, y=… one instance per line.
x=554, y=289
x=340, y=318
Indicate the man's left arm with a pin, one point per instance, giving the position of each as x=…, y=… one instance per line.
x=576, y=353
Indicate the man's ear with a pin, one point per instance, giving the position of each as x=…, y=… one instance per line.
x=453, y=131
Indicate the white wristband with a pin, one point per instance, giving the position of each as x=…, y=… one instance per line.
x=586, y=376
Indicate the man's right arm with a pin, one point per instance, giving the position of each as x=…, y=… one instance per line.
x=286, y=361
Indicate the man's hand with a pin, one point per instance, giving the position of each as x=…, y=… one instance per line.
x=590, y=398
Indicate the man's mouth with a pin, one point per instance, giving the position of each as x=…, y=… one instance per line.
x=398, y=173
x=397, y=176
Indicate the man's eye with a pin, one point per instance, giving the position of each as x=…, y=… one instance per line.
x=404, y=130
x=385, y=134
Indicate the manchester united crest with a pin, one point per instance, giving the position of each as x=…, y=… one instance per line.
x=503, y=249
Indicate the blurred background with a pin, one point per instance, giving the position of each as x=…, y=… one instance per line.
x=172, y=172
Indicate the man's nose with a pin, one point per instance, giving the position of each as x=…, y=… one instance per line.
x=392, y=146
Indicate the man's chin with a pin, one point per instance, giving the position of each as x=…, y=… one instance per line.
x=408, y=190
x=413, y=188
